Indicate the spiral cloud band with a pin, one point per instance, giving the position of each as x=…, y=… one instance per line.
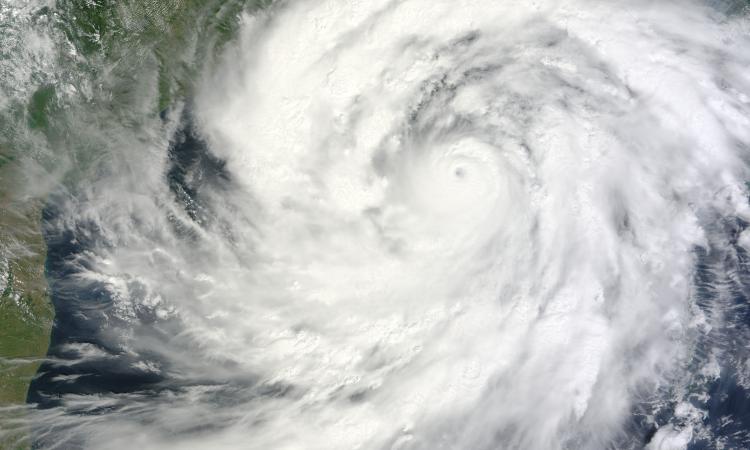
x=420, y=224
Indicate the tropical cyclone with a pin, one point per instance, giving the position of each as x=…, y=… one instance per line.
x=419, y=224
x=513, y=189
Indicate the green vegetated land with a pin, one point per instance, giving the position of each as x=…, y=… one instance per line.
x=123, y=40
x=178, y=34
x=25, y=311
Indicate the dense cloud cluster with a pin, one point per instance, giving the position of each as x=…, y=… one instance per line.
x=417, y=225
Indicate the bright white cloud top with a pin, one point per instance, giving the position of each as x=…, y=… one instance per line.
x=423, y=224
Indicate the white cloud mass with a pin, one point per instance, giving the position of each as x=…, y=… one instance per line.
x=432, y=224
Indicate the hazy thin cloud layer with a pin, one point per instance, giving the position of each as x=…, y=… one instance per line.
x=418, y=224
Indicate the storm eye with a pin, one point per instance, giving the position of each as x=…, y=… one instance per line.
x=459, y=172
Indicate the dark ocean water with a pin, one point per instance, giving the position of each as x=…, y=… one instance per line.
x=86, y=322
